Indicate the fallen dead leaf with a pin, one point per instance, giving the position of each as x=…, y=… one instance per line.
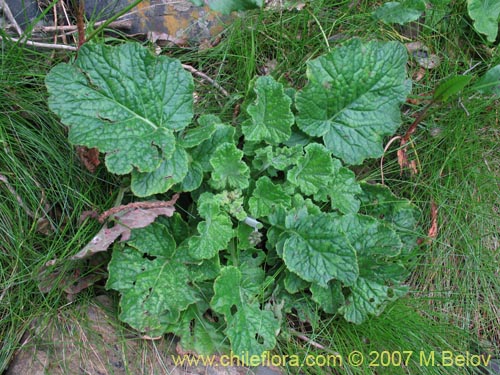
x=420, y=73
x=89, y=157
x=402, y=159
x=127, y=217
x=164, y=39
x=433, y=230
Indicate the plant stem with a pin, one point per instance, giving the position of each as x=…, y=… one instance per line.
x=415, y=123
x=232, y=251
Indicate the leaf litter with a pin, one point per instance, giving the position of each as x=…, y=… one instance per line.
x=126, y=218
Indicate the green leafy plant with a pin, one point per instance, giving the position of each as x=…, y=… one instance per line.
x=278, y=226
x=228, y=6
x=400, y=11
x=484, y=13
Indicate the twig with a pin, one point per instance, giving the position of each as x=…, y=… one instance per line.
x=63, y=7
x=206, y=78
x=123, y=24
x=136, y=205
x=80, y=24
x=415, y=123
x=10, y=17
x=461, y=104
x=382, y=158
x=43, y=45
x=18, y=198
x=312, y=342
x=63, y=37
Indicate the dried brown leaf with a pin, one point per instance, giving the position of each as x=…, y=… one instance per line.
x=89, y=157
x=132, y=216
x=433, y=230
x=402, y=159
x=88, y=214
x=164, y=38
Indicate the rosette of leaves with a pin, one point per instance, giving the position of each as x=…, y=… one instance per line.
x=282, y=225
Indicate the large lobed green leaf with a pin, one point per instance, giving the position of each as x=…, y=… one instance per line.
x=250, y=329
x=485, y=14
x=271, y=116
x=228, y=168
x=215, y=231
x=314, y=171
x=353, y=96
x=170, y=172
x=489, y=83
x=123, y=101
x=152, y=282
x=266, y=197
x=400, y=11
x=317, y=250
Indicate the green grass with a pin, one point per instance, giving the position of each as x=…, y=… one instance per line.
x=455, y=287
x=42, y=172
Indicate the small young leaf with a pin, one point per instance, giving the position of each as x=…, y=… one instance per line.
x=293, y=283
x=125, y=109
x=485, y=14
x=450, y=87
x=272, y=159
x=266, y=196
x=208, y=205
x=229, y=171
x=204, y=151
x=170, y=172
x=400, y=11
x=342, y=190
x=250, y=329
x=490, y=82
x=194, y=136
x=329, y=298
x=314, y=171
x=353, y=96
x=214, y=235
x=271, y=117
x=193, y=178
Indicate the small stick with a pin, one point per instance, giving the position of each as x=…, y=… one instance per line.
x=80, y=24
x=415, y=123
x=391, y=141
x=63, y=37
x=67, y=18
x=206, y=78
x=136, y=205
x=18, y=198
x=44, y=45
x=312, y=342
x=123, y=24
x=10, y=17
